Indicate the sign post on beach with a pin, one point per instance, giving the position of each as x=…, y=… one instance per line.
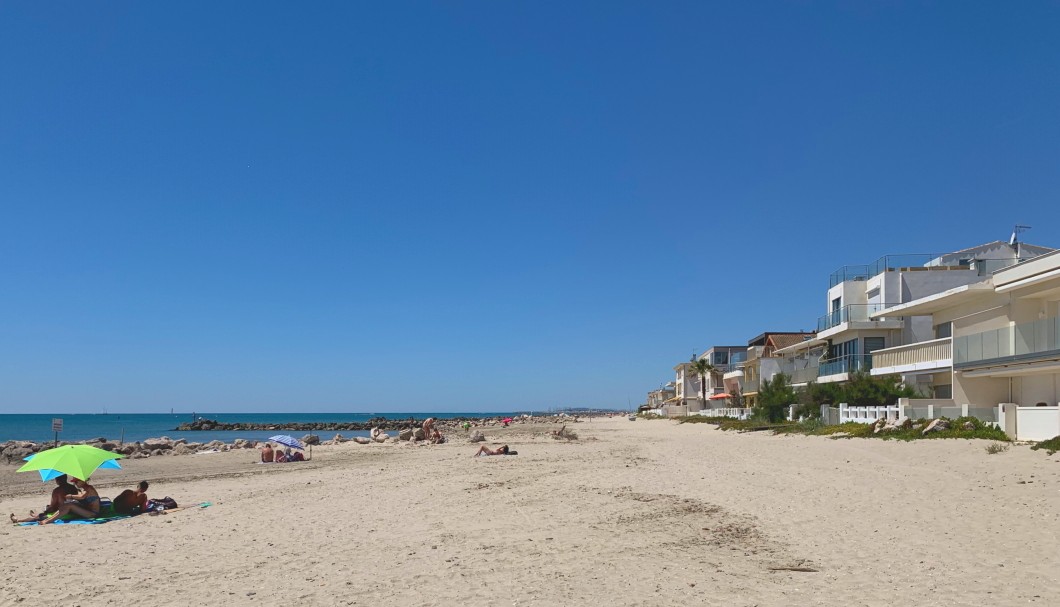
x=57, y=427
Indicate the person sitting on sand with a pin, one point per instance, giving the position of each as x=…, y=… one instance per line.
x=63, y=489
x=484, y=450
x=132, y=501
x=266, y=453
x=84, y=504
x=296, y=457
x=280, y=456
x=437, y=438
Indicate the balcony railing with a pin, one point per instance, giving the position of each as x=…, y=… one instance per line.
x=851, y=313
x=923, y=353
x=1025, y=340
x=846, y=364
x=881, y=265
x=801, y=376
x=750, y=385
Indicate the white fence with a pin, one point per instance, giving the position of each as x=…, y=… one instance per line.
x=736, y=413
x=1030, y=423
x=867, y=415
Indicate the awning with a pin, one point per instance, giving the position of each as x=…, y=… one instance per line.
x=720, y=396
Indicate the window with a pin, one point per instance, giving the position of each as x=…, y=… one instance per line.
x=943, y=391
x=722, y=358
x=944, y=330
x=873, y=343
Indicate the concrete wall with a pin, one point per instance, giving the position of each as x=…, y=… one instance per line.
x=981, y=391
x=1030, y=390
x=916, y=284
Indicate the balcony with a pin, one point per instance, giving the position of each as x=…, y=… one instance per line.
x=846, y=364
x=1027, y=341
x=923, y=356
x=884, y=264
x=750, y=386
x=851, y=313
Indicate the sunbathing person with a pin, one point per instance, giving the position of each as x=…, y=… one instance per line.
x=63, y=489
x=84, y=504
x=281, y=456
x=266, y=453
x=484, y=450
x=296, y=457
x=132, y=501
x=437, y=438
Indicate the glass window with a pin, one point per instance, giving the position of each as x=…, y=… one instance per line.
x=943, y=391
x=944, y=330
x=873, y=343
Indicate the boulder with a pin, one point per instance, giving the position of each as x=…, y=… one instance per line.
x=181, y=449
x=108, y=446
x=476, y=437
x=382, y=437
x=156, y=444
x=419, y=434
x=936, y=425
x=128, y=450
x=968, y=425
x=311, y=439
x=339, y=439
x=362, y=440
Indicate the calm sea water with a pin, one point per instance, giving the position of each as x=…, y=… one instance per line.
x=136, y=427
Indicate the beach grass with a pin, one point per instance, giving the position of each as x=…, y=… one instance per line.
x=1051, y=446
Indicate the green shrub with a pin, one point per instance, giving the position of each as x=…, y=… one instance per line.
x=1051, y=446
x=995, y=448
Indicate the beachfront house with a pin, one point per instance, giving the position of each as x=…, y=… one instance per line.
x=995, y=342
x=854, y=327
x=727, y=378
x=762, y=361
x=657, y=399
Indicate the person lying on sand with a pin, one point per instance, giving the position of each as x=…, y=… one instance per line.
x=484, y=450
x=132, y=501
x=84, y=504
x=63, y=489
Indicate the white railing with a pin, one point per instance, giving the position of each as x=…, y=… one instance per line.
x=913, y=357
x=867, y=415
x=736, y=413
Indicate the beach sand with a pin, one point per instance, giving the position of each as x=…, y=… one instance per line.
x=632, y=513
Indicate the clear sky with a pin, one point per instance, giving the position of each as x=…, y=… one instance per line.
x=482, y=205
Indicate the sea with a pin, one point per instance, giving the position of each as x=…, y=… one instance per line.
x=132, y=427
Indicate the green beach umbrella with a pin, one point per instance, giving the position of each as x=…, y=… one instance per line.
x=78, y=461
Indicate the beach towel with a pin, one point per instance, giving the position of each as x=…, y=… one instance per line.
x=83, y=521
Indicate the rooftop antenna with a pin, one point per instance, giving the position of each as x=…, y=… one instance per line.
x=1016, y=231
x=1014, y=240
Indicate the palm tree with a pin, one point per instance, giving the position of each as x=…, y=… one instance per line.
x=702, y=368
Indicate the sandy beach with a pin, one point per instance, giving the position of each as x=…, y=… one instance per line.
x=632, y=513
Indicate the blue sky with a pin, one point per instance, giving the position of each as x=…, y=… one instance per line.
x=478, y=205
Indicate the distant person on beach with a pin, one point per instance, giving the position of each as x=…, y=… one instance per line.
x=484, y=450
x=296, y=457
x=63, y=488
x=466, y=426
x=266, y=453
x=437, y=437
x=132, y=501
x=428, y=428
x=84, y=504
x=280, y=457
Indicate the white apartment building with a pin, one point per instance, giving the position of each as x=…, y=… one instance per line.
x=855, y=325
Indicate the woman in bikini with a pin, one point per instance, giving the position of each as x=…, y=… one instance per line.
x=484, y=450
x=84, y=504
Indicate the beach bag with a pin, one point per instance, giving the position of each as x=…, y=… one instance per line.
x=166, y=503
